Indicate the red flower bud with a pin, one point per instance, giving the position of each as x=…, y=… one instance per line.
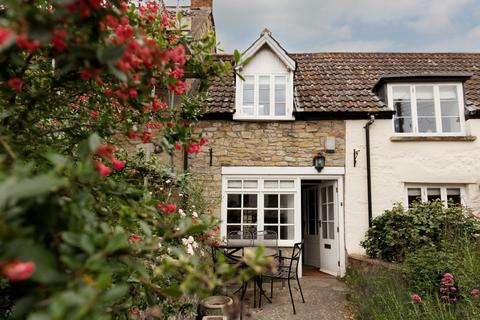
x=103, y=170
x=18, y=270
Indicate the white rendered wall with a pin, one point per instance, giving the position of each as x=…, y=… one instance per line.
x=395, y=164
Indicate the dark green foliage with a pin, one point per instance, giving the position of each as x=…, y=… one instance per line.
x=400, y=231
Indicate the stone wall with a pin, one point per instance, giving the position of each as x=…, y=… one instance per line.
x=261, y=144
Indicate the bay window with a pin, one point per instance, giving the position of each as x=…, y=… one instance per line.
x=427, y=109
x=263, y=96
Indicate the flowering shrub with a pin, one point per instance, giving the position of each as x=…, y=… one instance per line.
x=400, y=231
x=448, y=289
x=87, y=231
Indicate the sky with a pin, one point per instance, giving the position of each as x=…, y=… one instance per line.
x=350, y=25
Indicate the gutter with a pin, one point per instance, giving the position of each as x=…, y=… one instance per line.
x=369, y=170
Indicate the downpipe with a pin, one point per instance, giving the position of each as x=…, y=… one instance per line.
x=369, y=169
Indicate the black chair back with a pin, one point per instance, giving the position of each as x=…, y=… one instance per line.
x=295, y=259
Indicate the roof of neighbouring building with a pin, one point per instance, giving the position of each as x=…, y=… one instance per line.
x=344, y=82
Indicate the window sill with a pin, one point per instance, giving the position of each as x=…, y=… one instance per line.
x=433, y=138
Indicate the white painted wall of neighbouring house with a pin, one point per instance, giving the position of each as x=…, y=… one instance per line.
x=395, y=164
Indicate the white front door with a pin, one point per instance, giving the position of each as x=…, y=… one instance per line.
x=310, y=205
x=328, y=233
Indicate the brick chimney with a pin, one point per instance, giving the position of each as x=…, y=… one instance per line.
x=201, y=4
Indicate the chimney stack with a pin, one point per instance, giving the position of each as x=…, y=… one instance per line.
x=201, y=4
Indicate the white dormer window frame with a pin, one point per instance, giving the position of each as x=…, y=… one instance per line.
x=258, y=107
x=426, y=110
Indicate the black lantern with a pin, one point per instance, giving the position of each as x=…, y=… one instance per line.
x=319, y=162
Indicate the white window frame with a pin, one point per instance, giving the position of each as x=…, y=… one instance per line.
x=443, y=191
x=413, y=104
x=240, y=115
x=261, y=191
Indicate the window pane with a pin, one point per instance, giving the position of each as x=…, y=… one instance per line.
x=401, y=92
x=271, y=201
x=249, y=200
x=264, y=96
x=287, y=232
x=331, y=230
x=426, y=108
x=414, y=194
x=427, y=125
x=271, y=228
x=451, y=124
x=287, y=201
x=433, y=194
x=270, y=216
x=454, y=196
x=403, y=108
x=331, y=212
x=448, y=92
x=251, y=229
x=271, y=184
x=324, y=212
x=403, y=125
x=286, y=216
x=249, y=216
x=234, y=184
x=233, y=229
x=234, y=200
x=234, y=216
x=287, y=184
x=250, y=184
x=249, y=91
x=449, y=108
x=324, y=230
x=280, y=96
x=424, y=92
x=330, y=194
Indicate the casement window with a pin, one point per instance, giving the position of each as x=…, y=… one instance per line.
x=450, y=195
x=264, y=96
x=427, y=109
x=261, y=204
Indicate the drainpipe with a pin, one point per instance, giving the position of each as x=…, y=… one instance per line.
x=369, y=170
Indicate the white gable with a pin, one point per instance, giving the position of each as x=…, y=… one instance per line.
x=265, y=61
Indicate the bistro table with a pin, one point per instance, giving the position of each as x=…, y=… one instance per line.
x=232, y=250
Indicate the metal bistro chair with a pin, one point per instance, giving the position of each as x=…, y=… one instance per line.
x=239, y=239
x=268, y=239
x=288, y=271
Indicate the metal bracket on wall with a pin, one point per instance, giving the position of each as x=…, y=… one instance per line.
x=355, y=156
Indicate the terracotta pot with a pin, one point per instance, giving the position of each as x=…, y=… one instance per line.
x=215, y=306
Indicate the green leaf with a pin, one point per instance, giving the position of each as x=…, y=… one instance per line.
x=236, y=56
x=14, y=190
x=173, y=292
x=115, y=293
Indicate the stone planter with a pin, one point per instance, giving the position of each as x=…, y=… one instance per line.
x=215, y=307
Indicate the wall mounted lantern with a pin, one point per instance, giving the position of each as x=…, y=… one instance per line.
x=319, y=162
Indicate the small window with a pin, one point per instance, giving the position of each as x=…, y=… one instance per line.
x=448, y=195
x=427, y=109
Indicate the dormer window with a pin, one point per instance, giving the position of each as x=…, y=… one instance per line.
x=265, y=88
x=427, y=108
x=264, y=96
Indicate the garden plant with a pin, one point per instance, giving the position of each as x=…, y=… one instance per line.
x=88, y=229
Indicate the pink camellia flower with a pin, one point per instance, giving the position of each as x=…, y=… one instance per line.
x=134, y=238
x=103, y=170
x=475, y=293
x=416, y=298
x=5, y=36
x=118, y=164
x=18, y=270
x=15, y=84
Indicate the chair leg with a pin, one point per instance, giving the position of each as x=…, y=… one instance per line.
x=300, y=287
x=260, y=289
x=244, y=289
x=254, y=293
x=291, y=296
x=271, y=288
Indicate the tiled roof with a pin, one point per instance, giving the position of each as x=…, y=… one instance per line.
x=343, y=82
